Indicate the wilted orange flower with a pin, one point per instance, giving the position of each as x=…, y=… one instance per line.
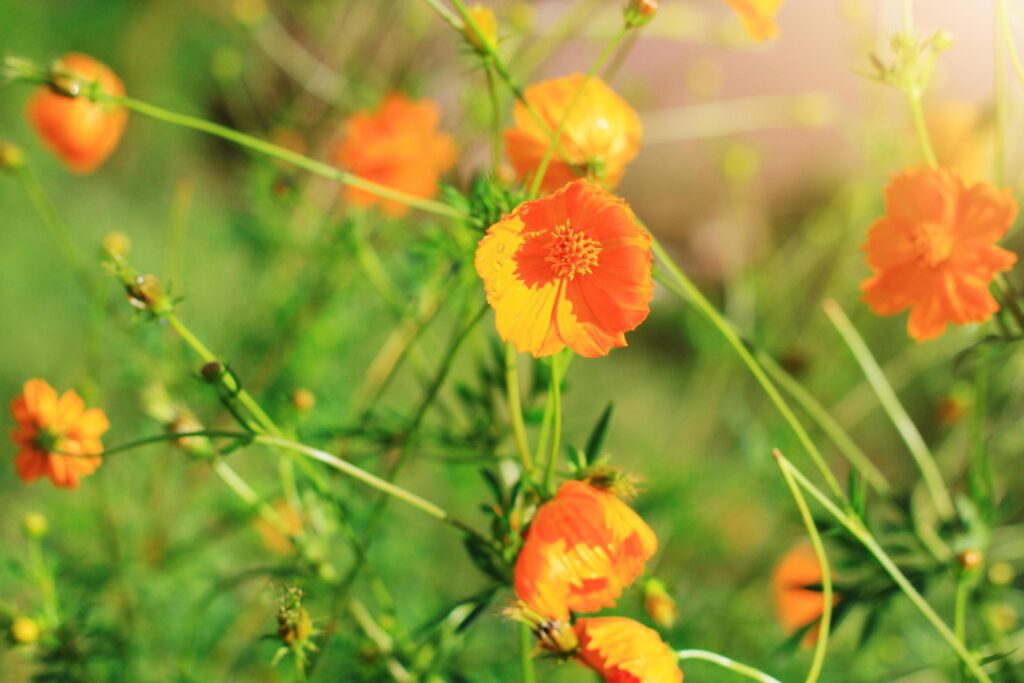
x=601, y=135
x=56, y=435
x=934, y=250
x=82, y=133
x=582, y=548
x=624, y=651
x=571, y=269
x=795, y=604
x=758, y=17
x=398, y=146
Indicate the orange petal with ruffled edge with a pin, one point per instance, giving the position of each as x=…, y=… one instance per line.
x=624, y=651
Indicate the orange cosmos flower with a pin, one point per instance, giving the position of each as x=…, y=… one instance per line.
x=582, y=548
x=934, y=250
x=56, y=435
x=82, y=133
x=397, y=145
x=795, y=604
x=571, y=269
x=624, y=651
x=601, y=135
x=758, y=17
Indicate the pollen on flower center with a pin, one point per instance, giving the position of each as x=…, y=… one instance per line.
x=933, y=243
x=571, y=252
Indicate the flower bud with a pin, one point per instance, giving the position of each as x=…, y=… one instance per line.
x=11, y=156
x=212, y=371
x=146, y=293
x=293, y=622
x=24, y=630
x=639, y=12
x=969, y=560
x=249, y=12
x=660, y=606
x=485, y=20
x=1001, y=573
x=34, y=525
x=117, y=244
x=303, y=400
x=553, y=635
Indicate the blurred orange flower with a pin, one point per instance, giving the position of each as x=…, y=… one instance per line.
x=398, y=146
x=934, y=250
x=582, y=548
x=82, y=133
x=273, y=539
x=796, y=605
x=624, y=651
x=571, y=269
x=758, y=17
x=601, y=135
x=56, y=435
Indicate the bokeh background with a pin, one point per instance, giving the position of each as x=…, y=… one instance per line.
x=762, y=168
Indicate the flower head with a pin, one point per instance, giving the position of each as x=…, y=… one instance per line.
x=624, y=651
x=934, y=250
x=601, y=135
x=398, y=146
x=485, y=20
x=571, y=269
x=582, y=548
x=58, y=436
x=796, y=605
x=758, y=17
x=81, y=132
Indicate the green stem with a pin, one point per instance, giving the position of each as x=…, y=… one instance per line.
x=44, y=578
x=726, y=663
x=825, y=622
x=868, y=541
x=538, y=177
x=526, y=654
x=917, y=112
x=963, y=591
x=688, y=291
x=492, y=90
x=515, y=407
x=828, y=424
x=54, y=224
x=556, y=421
x=262, y=147
x=941, y=499
x=1011, y=46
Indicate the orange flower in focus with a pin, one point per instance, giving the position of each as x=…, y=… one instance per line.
x=758, y=17
x=82, y=133
x=624, y=651
x=397, y=146
x=795, y=604
x=601, y=135
x=582, y=548
x=571, y=269
x=934, y=250
x=56, y=435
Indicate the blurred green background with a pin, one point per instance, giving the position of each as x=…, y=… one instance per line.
x=161, y=568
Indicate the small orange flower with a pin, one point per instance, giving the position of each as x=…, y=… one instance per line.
x=571, y=269
x=934, y=250
x=758, y=17
x=624, y=651
x=82, y=133
x=56, y=435
x=398, y=146
x=582, y=548
x=601, y=135
x=795, y=604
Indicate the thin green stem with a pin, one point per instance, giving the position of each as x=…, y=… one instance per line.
x=542, y=169
x=496, y=144
x=526, y=654
x=545, y=430
x=688, y=291
x=828, y=424
x=941, y=499
x=54, y=224
x=263, y=147
x=825, y=622
x=866, y=539
x=914, y=98
x=516, y=409
x=556, y=421
x=44, y=579
x=726, y=663
x=963, y=591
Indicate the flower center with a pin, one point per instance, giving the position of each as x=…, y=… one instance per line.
x=46, y=441
x=932, y=242
x=571, y=252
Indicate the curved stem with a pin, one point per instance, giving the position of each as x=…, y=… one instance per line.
x=689, y=292
x=825, y=622
x=941, y=499
x=515, y=407
x=868, y=541
x=726, y=663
